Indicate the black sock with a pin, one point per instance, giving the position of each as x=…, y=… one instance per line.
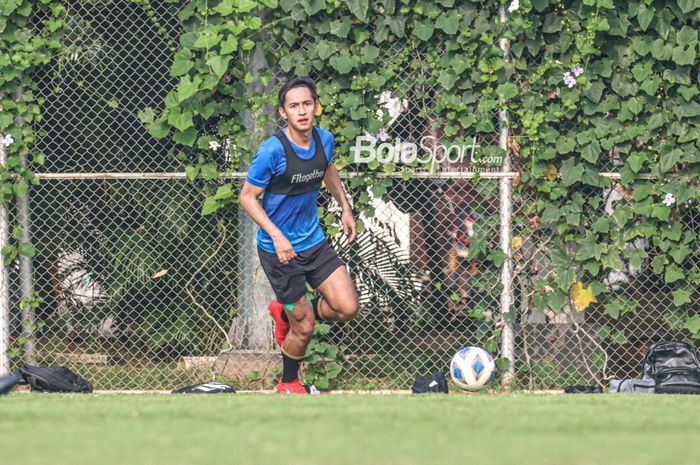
x=290, y=369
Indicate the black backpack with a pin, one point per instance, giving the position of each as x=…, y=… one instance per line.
x=54, y=379
x=674, y=368
x=433, y=383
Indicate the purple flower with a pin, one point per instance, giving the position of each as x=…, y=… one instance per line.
x=569, y=80
x=577, y=71
x=669, y=200
x=382, y=136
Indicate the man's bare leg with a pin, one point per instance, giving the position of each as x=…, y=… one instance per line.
x=339, y=301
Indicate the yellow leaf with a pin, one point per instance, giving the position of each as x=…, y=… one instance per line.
x=583, y=296
x=319, y=109
x=516, y=242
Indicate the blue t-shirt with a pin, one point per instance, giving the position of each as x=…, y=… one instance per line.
x=295, y=215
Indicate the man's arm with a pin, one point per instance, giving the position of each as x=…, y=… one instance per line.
x=249, y=201
x=335, y=186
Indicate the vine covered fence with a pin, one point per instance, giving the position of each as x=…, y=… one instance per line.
x=131, y=263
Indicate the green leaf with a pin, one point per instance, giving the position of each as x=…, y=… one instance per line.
x=27, y=249
x=620, y=305
x=341, y=27
x=186, y=137
x=359, y=8
x=325, y=49
x=634, y=105
x=641, y=71
x=661, y=212
x=687, y=36
x=507, y=90
x=645, y=15
x=244, y=6
x=449, y=22
x=224, y=8
x=218, y=64
x=684, y=56
x=636, y=161
x=187, y=87
x=679, y=253
x=181, y=121
x=447, y=80
x=681, y=297
x=673, y=273
x=687, y=6
x=207, y=39
x=668, y=160
x=688, y=92
x=209, y=171
x=191, y=172
x=209, y=206
x=423, y=31
x=159, y=129
x=591, y=152
x=343, y=63
x=229, y=45
x=571, y=172
x=692, y=324
x=650, y=86
x=687, y=110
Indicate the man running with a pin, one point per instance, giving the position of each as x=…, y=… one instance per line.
x=289, y=168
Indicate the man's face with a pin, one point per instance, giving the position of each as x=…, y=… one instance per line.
x=299, y=108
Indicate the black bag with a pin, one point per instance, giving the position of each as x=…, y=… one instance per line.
x=433, y=383
x=205, y=388
x=581, y=389
x=54, y=379
x=7, y=382
x=674, y=367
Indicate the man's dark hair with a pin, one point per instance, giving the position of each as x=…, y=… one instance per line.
x=297, y=82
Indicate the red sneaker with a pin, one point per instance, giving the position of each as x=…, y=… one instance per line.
x=281, y=326
x=293, y=387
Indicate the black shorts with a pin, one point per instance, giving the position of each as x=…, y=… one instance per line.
x=289, y=281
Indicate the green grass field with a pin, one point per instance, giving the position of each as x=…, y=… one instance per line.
x=522, y=429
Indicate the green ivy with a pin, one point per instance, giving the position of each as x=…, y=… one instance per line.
x=25, y=45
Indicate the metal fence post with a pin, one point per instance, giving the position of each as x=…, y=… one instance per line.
x=25, y=278
x=26, y=271
x=4, y=281
x=506, y=205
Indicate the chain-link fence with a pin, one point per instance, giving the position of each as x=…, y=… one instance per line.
x=140, y=291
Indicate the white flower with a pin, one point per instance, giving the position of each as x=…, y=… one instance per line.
x=382, y=136
x=669, y=200
x=7, y=140
x=514, y=5
x=214, y=145
x=577, y=71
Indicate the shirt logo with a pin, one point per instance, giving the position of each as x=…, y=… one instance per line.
x=299, y=178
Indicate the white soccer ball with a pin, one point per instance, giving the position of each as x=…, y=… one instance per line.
x=472, y=368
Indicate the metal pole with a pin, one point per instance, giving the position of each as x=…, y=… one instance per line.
x=506, y=202
x=26, y=271
x=4, y=281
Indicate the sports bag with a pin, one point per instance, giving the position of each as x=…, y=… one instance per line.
x=205, y=388
x=54, y=379
x=433, y=383
x=7, y=382
x=674, y=367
